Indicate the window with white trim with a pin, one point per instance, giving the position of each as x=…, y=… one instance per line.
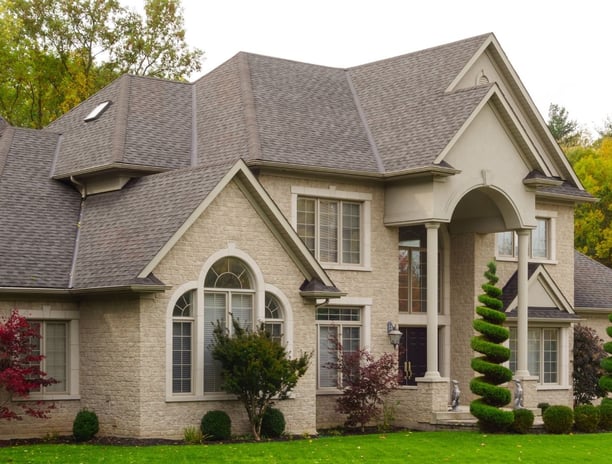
x=53, y=345
x=543, y=353
x=183, y=320
x=274, y=318
x=336, y=327
x=331, y=229
x=540, y=242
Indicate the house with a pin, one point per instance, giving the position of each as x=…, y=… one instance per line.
x=323, y=202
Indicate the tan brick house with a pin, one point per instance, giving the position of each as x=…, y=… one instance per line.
x=324, y=202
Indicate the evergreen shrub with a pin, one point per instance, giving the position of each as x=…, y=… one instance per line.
x=523, y=420
x=558, y=419
x=85, y=425
x=586, y=418
x=273, y=423
x=543, y=407
x=605, y=414
x=216, y=425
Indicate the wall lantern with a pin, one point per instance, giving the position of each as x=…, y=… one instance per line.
x=394, y=334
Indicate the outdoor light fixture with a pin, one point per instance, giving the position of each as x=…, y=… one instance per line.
x=394, y=334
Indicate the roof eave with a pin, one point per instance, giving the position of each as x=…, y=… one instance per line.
x=138, y=288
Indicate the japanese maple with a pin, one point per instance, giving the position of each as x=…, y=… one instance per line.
x=20, y=372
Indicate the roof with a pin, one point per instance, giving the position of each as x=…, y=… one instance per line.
x=177, y=141
x=592, y=283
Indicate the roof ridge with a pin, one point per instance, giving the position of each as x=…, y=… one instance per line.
x=6, y=140
x=121, y=120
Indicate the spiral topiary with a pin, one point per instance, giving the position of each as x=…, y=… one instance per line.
x=605, y=382
x=492, y=397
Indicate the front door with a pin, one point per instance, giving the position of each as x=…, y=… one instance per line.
x=412, y=354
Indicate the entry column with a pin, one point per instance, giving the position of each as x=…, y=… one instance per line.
x=522, y=326
x=432, y=300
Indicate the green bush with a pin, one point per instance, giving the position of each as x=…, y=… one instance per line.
x=586, y=418
x=85, y=425
x=523, y=420
x=216, y=425
x=273, y=423
x=543, y=407
x=558, y=419
x=605, y=414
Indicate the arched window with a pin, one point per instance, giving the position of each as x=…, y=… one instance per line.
x=183, y=316
x=228, y=293
x=274, y=317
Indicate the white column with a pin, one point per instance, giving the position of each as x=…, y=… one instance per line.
x=432, y=300
x=522, y=369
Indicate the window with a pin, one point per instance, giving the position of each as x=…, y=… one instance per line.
x=53, y=345
x=412, y=270
x=182, y=343
x=542, y=353
x=337, y=326
x=331, y=229
x=274, y=318
x=540, y=246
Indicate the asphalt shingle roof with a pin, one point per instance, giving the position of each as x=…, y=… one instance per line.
x=592, y=283
x=38, y=216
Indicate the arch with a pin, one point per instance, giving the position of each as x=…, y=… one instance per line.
x=287, y=313
x=485, y=209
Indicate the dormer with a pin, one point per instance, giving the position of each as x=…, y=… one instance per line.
x=134, y=127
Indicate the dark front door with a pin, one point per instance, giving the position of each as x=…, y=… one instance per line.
x=412, y=354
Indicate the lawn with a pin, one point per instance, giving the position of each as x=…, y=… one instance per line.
x=400, y=447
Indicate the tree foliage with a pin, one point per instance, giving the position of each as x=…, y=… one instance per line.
x=593, y=221
x=605, y=382
x=367, y=381
x=20, y=371
x=56, y=53
x=565, y=130
x=588, y=353
x=492, y=397
x=256, y=369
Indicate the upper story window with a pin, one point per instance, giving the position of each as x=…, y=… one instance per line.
x=334, y=226
x=541, y=241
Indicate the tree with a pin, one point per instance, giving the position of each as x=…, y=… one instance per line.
x=593, y=221
x=565, y=131
x=588, y=353
x=57, y=53
x=605, y=382
x=366, y=381
x=256, y=369
x=20, y=371
x=492, y=397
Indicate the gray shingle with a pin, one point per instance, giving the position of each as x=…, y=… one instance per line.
x=592, y=283
x=122, y=231
x=39, y=215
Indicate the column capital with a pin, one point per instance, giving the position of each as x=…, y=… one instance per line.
x=523, y=231
x=432, y=225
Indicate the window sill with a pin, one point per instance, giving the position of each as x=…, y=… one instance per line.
x=329, y=392
x=187, y=398
x=513, y=259
x=346, y=267
x=545, y=387
x=49, y=397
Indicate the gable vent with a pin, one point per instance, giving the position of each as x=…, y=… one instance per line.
x=97, y=111
x=482, y=79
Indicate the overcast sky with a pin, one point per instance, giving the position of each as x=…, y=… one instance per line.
x=561, y=49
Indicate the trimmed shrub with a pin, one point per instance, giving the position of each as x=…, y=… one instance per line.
x=216, y=425
x=586, y=418
x=85, y=425
x=558, y=419
x=543, y=407
x=605, y=414
x=273, y=423
x=523, y=420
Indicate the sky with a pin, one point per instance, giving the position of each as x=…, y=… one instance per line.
x=561, y=49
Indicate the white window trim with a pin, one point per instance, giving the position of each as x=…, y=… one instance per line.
x=260, y=289
x=366, y=329
x=551, y=216
x=366, y=220
x=563, y=373
x=72, y=369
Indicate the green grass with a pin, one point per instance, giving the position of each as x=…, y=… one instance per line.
x=401, y=447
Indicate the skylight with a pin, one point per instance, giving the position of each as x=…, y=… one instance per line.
x=97, y=111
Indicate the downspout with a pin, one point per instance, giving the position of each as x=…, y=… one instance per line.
x=81, y=188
